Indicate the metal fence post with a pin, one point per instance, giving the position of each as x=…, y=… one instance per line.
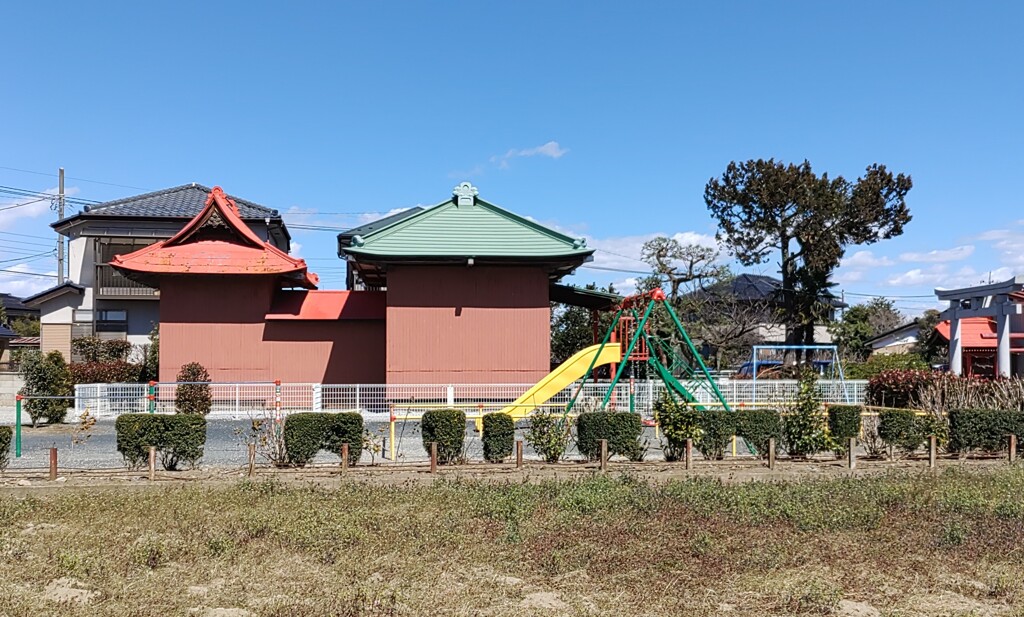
x=151, y=397
x=17, y=425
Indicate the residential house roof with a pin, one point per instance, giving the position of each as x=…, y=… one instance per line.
x=909, y=327
x=215, y=241
x=54, y=292
x=7, y=333
x=754, y=287
x=176, y=203
x=16, y=306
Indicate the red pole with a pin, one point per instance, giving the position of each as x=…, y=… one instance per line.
x=53, y=463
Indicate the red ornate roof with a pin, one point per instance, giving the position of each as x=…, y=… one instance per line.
x=216, y=241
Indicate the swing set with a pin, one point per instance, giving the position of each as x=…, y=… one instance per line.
x=680, y=367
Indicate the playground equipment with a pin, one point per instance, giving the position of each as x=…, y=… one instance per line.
x=832, y=367
x=562, y=377
x=671, y=363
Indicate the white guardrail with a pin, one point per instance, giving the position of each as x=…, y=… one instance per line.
x=379, y=401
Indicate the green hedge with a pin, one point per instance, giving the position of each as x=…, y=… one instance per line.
x=621, y=428
x=178, y=438
x=6, y=432
x=307, y=433
x=677, y=423
x=983, y=429
x=499, y=436
x=843, y=423
x=757, y=426
x=716, y=428
x=900, y=428
x=448, y=428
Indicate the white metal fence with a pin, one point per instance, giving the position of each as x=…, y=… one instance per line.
x=383, y=400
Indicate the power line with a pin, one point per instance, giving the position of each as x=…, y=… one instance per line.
x=11, y=233
x=27, y=273
x=40, y=173
x=28, y=258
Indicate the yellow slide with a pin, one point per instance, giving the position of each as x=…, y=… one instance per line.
x=557, y=380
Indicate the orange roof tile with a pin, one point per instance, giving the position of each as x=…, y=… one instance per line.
x=216, y=241
x=975, y=332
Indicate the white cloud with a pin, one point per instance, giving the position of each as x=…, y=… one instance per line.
x=369, y=217
x=939, y=276
x=845, y=277
x=296, y=249
x=551, y=150
x=957, y=253
x=23, y=285
x=865, y=259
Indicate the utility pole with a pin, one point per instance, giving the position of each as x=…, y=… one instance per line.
x=60, y=238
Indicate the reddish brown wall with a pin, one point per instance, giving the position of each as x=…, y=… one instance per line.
x=458, y=324
x=220, y=323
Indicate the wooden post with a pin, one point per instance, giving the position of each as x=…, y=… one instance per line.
x=344, y=458
x=851, y=455
x=252, y=459
x=152, y=463
x=689, y=453
x=1013, y=449
x=933, y=451
x=771, y=453
x=433, y=457
x=604, y=455
x=519, y=454
x=53, y=463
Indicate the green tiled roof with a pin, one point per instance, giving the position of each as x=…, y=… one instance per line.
x=467, y=226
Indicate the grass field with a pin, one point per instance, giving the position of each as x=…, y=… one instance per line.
x=947, y=544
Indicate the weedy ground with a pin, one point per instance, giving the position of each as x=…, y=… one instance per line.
x=899, y=544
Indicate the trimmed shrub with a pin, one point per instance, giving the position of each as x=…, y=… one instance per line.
x=879, y=363
x=95, y=349
x=306, y=434
x=757, y=426
x=983, y=429
x=105, y=372
x=716, y=428
x=448, y=428
x=46, y=375
x=804, y=428
x=6, y=433
x=193, y=397
x=499, y=436
x=900, y=429
x=548, y=435
x=843, y=423
x=178, y=438
x=677, y=423
x=341, y=428
x=621, y=428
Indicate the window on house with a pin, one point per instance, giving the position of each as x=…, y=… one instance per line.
x=112, y=324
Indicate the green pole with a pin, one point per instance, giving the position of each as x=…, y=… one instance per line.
x=696, y=355
x=17, y=426
x=625, y=356
x=590, y=369
x=152, y=397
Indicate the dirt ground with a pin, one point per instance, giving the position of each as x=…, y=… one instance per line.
x=731, y=470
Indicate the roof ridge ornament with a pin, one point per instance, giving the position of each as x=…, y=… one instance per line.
x=465, y=194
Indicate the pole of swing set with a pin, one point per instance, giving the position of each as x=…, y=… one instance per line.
x=17, y=426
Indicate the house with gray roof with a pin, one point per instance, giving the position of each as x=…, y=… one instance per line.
x=97, y=299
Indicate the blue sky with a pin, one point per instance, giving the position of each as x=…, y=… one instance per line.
x=604, y=119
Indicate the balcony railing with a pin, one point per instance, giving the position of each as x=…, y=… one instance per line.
x=112, y=285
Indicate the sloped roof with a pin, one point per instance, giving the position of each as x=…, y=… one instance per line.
x=975, y=332
x=185, y=201
x=345, y=237
x=466, y=226
x=7, y=333
x=216, y=241
x=327, y=305
x=755, y=287
x=53, y=292
x=15, y=304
